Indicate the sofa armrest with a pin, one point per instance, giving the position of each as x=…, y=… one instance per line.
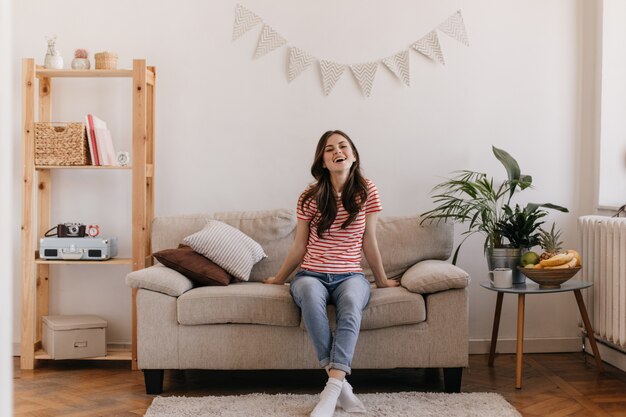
x=161, y=279
x=432, y=276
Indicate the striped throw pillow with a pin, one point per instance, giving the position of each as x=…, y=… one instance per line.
x=228, y=247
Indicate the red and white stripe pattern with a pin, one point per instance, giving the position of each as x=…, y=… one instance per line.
x=338, y=250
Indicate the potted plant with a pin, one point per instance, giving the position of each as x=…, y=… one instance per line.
x=521, y=227
x=471, y=197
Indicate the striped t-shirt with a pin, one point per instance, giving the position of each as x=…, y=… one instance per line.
x=339, y=250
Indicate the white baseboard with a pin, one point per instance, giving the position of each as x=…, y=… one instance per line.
x=539, y=345
x=481, y=346
x=608, y=355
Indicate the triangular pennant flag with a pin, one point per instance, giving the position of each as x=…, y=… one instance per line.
x=399, y=65
x=299, y=60
x=331, y=71
x=429, y=46
x=365, y=74
x=244, y=21
x=455, y=28
x=269, y=40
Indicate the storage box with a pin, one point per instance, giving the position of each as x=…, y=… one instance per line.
x=61, y=144
x=73, y=337
x=106, y=60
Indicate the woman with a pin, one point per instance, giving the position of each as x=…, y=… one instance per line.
x=336, y=220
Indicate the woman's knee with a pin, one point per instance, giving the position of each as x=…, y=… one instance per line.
x=309, y=290
x=350, y=303
x=354, y=298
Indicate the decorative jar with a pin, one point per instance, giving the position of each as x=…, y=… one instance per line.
x=80, y=63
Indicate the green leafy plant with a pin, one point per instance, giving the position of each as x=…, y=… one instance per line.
x=472, y=197
x=521, y=226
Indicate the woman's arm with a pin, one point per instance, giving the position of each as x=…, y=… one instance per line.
x=294, y=256
x=372, y=254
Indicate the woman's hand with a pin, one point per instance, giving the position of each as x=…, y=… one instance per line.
x=272, y=280
x=388, y=283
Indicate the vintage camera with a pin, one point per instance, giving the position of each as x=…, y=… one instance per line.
x=71, y=230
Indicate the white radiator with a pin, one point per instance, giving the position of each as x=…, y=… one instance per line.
x=602, y=243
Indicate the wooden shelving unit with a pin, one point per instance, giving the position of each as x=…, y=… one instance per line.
x=37, y=190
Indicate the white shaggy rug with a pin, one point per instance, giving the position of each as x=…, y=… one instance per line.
x=400, y=404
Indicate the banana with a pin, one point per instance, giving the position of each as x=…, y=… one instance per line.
x=571, y=264
x=538, y=266
x=576, y=255
x=557, y=260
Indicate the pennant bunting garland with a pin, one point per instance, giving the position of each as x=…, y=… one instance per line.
x=244, y=21
x=455, y=28
x=269, y=40
x=399, y=65
x=331, y=71
x=429, y=46
x=299, y=60
x=365, y=74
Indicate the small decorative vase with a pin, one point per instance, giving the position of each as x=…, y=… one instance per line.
x=80, y=63
x=53, y=62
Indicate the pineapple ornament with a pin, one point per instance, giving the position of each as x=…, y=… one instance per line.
x=81, y=59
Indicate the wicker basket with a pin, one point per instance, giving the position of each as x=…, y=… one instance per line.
x=61, y=144
x=106, y=60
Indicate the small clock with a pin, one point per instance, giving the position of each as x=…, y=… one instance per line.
x=123, y=158
x=93, y=230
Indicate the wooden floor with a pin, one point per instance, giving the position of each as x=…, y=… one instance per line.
x=562, y=384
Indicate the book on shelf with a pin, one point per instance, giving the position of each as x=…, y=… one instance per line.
x=91, y=140
x=100, y=142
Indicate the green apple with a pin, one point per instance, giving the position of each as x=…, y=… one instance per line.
x=530, y=258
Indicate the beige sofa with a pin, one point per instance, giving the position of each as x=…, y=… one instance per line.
x=250, y=325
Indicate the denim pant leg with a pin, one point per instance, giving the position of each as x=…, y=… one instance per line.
x=350, y=299
x=311, y=296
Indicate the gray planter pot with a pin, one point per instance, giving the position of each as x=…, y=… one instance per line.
x=506, y=258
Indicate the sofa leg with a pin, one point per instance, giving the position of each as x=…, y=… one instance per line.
x=452, y=379
x=154, y=381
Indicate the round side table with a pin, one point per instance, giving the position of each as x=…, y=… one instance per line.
x=533, y=288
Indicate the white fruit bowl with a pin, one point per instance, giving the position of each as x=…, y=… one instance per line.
x=549, y=278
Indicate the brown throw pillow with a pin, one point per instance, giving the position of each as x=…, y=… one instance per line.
x=194, y=266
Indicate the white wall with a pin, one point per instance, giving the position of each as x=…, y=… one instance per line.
x=613, y=131
x=232, y=134
x=6, y=218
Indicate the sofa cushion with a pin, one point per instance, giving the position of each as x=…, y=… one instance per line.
x=169, y=231
x=273, y=229
x=161, y=279
x=228, y=247
x=387, y=307
x=403, y=241
x=433, y=276
x=194, y=266
x=243, y=302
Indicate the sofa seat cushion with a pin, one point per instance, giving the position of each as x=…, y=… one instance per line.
x=243, y=302
x=387, y=307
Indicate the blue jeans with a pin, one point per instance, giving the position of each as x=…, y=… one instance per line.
x=350, y=293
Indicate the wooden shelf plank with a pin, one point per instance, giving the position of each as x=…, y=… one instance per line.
x=43, y=167
x=113, y=261
x=90, y=73
x=112, y=355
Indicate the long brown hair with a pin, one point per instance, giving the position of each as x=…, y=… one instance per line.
x=354, y=192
